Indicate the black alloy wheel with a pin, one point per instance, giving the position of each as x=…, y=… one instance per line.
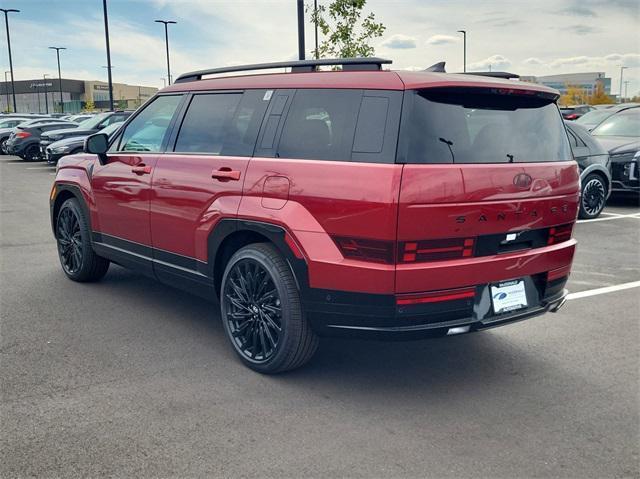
x=73, y=235
x=69, y=241
x=261, y=311
x=594, y=197
x=32, y=153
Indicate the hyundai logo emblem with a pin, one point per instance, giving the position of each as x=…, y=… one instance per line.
x=522, y=180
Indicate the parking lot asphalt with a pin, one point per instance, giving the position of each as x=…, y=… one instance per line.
x=130, y=378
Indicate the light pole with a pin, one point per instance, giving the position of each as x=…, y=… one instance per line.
x=464, y=50
x=166, y=41
x=315, y=14
x=6, y=90
x=6, y=23
x=301, y=29
x=46, y=100
x=106, y=37
x=626, y=86
x=622, y=69
x=57, y=49
x=164, y=82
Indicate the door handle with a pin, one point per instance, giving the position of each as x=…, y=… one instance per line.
x=141, y=169
x=225, y=174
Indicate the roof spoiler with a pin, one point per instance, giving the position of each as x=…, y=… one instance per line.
x=439, y=68
x=347, y=64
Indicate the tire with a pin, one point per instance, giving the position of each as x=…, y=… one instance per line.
x=268, y=332
x=31, y=153
x=3, y=146
x=593, y=197
x=77, y=258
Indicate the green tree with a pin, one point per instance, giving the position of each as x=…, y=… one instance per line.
x=346, y=31
x=89, y=105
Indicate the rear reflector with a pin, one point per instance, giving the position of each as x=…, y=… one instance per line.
x=23, y=134
x=366, y=249
x=435, y=296
x=559, y=273
x=435, y=250
x=558, y=234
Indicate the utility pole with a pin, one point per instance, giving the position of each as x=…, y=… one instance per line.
x=6, y=23
x=626, y=86
x=301, y=29
x=166, y=41
x=46, y=100
x=315, y=14
x=106, y=36
x=464, y=50
x=57, y=49
x=622, y=69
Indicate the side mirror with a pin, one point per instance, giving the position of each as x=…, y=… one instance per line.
x=97, y=144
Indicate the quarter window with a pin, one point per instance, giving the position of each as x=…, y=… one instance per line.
x=147, y=131
x=321, y=125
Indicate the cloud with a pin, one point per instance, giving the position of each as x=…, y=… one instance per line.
x=442, y=39
x=578, y=10
x=399, y=41
x=628, y=59
x=533, y=61
x=579, y=60
x=580, y=29
x=495, y=62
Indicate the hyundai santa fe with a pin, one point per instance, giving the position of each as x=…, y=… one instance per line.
x=360, y=202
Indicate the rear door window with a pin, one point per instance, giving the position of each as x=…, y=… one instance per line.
x=445, y=126
x=222, y=123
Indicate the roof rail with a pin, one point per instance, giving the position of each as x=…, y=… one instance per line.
x=504, y=75
x=352, y=64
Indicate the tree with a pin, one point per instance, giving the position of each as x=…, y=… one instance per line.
x=89, y=105
x=599, y=97
x=574, y=96
x=346, y=33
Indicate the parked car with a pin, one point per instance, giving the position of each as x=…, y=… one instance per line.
x=89, y=126
x=620, y=135
x=593, y=118
x=81, y=117
x=70, y=146
x=357, y=202
x=595, y=174
x=6, y=132
x=575, y=112
x=24, y=141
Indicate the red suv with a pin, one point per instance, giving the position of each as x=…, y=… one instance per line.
x=354, y=202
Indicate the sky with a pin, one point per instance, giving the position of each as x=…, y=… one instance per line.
x=532, y=37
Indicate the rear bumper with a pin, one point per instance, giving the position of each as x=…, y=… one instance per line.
x=362, y=315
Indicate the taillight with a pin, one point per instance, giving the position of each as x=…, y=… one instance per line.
x=435, y=296
x=23, y=134
x=366, y=249
x=435, y=250
x=558, y=234
x=573, y=116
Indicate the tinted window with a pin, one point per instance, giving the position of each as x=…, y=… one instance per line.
x=469, y=127
x=320, y=125
x=222, y=124
x=146, y=131
x=625, y=123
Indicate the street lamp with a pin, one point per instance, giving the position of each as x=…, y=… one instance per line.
x=464, y=50
x=626, y=86
x=46, y=100
x=57, y=49
x=164, y=82
x=166, y=40
x=106, y=37
x=622, y=69
x=6, y=22
x=6, y=90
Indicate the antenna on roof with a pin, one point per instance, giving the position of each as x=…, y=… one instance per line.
x=436, y=67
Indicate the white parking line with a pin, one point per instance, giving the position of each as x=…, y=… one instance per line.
x=40, y=168
x=617, y=217
x=606, y=289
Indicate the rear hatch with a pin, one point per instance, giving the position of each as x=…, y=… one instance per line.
x=486, y=172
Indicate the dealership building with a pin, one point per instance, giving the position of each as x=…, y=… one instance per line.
x=38, y=96
x=588, y=81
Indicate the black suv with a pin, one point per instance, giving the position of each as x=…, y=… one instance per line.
x=87, y=127
x=25, y=139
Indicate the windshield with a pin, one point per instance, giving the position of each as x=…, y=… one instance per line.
x=594, y=117
x=112, y=128
x=625, y=123
x=93, y=122
x=469, y=127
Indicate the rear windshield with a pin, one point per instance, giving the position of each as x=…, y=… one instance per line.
x=473, y=127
